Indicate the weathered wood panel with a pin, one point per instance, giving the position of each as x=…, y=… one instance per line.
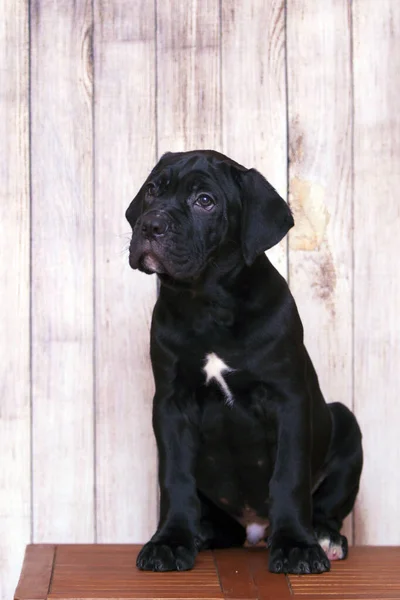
x=126, y=461
x=376, y=272
x=320, y=186
x=14, y=294
x=188, y=75
x=254, y=93
x=62, y=271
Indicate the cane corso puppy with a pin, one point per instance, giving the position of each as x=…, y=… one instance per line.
x=247, y=446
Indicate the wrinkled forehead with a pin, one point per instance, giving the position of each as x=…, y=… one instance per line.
x=192, y=171
x=185, y=162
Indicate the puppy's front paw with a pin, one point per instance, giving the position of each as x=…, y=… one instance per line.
x=291, y=556
x=166, y=556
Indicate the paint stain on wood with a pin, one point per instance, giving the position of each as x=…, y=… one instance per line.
x=296, y=149
x=296, y=145
x=309, y=234
x=324, y=284
x=311, y=216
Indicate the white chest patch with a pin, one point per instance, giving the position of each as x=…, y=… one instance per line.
x=214, y=368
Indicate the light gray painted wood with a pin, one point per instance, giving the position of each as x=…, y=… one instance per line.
x=126, y=461
x=320, y=187
x=62, y=271
x=188, y=75
x=14, y=293
x=376, y=270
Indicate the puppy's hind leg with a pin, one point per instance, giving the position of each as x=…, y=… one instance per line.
x=217, y=528
x=334, y=498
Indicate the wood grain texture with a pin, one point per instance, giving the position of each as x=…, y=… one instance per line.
x=269, y=586
x=14, y=292
x=34, y=582
x=108, y=571
x=320, y=152
x=126, y=465
x=254, y=93
x=236, y=575
x=377, y=279
x=369, y=572
x=320, y=106
x=188, y=75
x=62, y=270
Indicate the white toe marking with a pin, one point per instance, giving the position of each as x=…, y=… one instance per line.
x=214, y=368
x=324, y=543
x=255, y=532
x=333, y=551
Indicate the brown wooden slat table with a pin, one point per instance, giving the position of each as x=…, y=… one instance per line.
x=66, y=572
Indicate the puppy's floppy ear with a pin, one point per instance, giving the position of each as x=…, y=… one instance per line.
x=266, y=218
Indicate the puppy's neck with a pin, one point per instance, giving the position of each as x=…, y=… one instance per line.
x=221, y=292
x=221, y=273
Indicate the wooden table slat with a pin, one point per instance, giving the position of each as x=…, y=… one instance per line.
x=79, y=572
x=270, y=586
x=34, y=582
x=110, y=572
x=235, y=576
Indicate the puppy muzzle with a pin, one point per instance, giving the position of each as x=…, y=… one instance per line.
x=146, y=247
x=154, y=225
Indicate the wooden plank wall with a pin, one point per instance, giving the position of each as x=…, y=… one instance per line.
x=15, y=442
x=91, y=93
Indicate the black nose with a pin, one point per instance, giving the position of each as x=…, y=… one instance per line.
x=154, y=225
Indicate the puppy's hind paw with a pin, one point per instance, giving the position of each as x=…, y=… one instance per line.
x=333, y=543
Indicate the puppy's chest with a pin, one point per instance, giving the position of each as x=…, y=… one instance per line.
x=216, y=371
x=213, y=371
x=210, y=346
x=212, y=359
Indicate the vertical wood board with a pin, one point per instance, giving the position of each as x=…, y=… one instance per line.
x=14, y=292
x=62, y=270
x=320, y=187
x=126, y=461
x=188, y=75
x=320, y=129
x=376, y=31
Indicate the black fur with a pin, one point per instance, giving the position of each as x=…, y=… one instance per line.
x=278, y=452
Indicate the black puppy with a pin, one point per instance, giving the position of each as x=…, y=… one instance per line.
x=247, y=445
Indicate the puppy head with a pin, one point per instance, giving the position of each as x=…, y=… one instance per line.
x=196, y=207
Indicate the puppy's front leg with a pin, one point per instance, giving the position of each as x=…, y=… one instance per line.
x=172, y=548
x=293, y=545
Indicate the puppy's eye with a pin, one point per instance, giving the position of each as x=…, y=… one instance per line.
x=151, y=189
x=205, y=201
